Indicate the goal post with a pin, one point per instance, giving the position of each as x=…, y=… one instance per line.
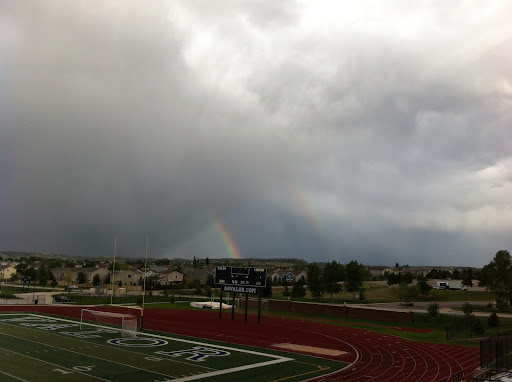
x=127, y=322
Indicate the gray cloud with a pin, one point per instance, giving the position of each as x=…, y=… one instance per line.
x=323, y=131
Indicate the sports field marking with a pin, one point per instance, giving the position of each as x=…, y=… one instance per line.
x=12, y=376
x=274, y=358
x=81, y=354
x=320, y=368
x=277, y=357
x=54, y=364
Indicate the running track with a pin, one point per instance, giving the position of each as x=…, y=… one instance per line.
x=372, y=356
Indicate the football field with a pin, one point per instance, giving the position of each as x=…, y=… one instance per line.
x=43, y=348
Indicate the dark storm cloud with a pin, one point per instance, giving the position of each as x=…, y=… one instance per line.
x=318, y=131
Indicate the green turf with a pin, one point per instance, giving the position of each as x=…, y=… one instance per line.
x=43, y=348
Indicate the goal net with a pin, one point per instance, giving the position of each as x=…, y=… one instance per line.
x=127, y=322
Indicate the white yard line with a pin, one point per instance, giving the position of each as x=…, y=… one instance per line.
x=183, y=340
x=102, y=345
x=13, y=376
x=277, y=359
x=232, y=370
x=51, y=363
x=82, y=354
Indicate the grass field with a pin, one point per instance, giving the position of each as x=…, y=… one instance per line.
x=35, y=347
x=382, y=293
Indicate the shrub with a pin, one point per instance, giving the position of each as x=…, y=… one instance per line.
x=493, y=320
x=501, y=305
x=433, y=309
x=362, y=294
x=467, y=308
x=478, y=328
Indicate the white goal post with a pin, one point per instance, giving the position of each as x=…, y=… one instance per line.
x=127, y=322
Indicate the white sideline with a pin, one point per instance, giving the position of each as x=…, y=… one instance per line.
x=277, y=359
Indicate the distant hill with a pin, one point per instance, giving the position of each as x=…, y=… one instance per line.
x=278, y=262
x=20, y=254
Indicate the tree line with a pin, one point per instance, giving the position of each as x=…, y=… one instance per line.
x=330, y=279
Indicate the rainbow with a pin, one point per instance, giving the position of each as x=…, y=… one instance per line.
x=227, y=240
x=307, y=205
x=306, y=202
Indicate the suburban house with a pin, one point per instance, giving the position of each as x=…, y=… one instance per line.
x=376, y=272
x=190, y=274
x=170, y=278
x=70, y=275
x=150, y=272
x=287, y=277
x=280, y=277
x=6, y=271
x=128, y=277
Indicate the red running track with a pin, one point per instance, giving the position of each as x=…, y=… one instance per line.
x=372, y=356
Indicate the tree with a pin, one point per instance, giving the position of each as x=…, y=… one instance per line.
x=15, y=277
x=42, y=276
x=493, y=320
x=467, y=308
x=498, y=274
x=118, y=267
x=422, y=284
x=31, y=272
x=210, y=281
x=330, y=278
x=354, y=277
x=267, y=290
x=207, y=262
x=81, y=278
x=477, y=327
x=467, y=277
x=196, y=285
x=49, y=275
x=392, y=277
x=406, y=292
x=298, y=290
x=315, y=280
x=96, y=280
x=53, y=263
x=362, y=294
x=286, y=291
x=68, y=276
x=433, y=309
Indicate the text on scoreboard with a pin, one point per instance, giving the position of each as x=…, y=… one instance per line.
x=240, y=276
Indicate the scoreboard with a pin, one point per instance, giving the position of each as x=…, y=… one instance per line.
x=240, y=279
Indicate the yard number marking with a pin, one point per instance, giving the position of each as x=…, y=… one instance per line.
x=138, y=342
x=198, y=353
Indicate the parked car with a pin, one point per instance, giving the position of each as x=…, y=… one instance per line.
x=61, y=299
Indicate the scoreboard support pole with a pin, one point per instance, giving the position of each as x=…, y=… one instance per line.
x=259, y=305
x=220, y=305
x=233, y=306
x=246, y=303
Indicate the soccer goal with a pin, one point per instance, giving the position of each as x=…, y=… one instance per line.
x=127, y=322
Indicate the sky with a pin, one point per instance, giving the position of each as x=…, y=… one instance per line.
x=322, y=130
